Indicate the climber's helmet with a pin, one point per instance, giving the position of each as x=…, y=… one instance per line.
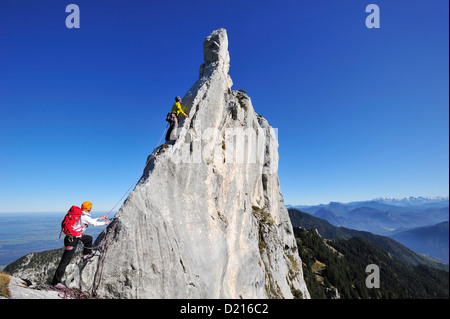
x=177, y=99
x=86, y=206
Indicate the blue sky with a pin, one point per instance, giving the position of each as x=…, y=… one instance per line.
x=361, y=113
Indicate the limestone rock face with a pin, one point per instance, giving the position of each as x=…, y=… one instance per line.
x=207, y=218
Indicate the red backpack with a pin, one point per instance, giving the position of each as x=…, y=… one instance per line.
x=69, y=221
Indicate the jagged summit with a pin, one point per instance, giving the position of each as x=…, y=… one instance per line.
x=207, y=218
x=215, y=52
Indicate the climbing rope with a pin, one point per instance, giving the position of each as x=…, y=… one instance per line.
x=135, y=181
x=104, y=243
x=74, y=293
x=64, y=293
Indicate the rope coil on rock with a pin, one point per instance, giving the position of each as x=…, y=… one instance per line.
x=65, y=293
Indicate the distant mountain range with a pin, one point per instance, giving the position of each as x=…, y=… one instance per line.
x=411, y=200
x=384, y=216
x=416, y=222
x=432, y=241
x=396, y=249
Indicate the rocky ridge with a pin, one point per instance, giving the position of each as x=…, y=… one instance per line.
x=207, y=218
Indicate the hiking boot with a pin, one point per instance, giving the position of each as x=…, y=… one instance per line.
x=60, y=286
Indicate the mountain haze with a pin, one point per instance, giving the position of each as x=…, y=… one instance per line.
x=384, y=216
x=329, y=231
x=432, y=241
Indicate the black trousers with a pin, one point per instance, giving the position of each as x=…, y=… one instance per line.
x=173, y=126
x=70, y=245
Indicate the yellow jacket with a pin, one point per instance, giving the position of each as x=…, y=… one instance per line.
x=176, y=109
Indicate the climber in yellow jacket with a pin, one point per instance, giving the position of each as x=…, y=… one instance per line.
x=176, y=110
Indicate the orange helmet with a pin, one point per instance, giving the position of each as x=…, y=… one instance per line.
x=86, y=206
